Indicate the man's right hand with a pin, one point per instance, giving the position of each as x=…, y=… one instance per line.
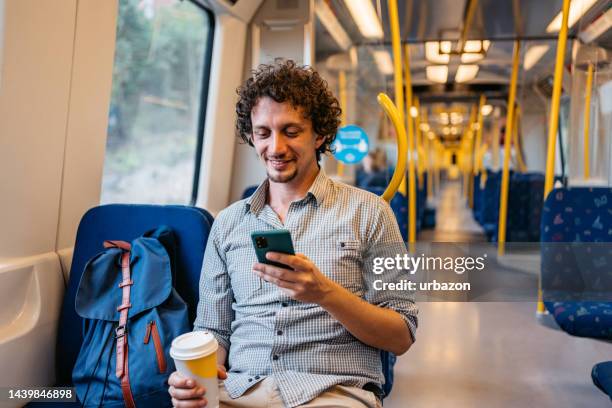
x=186, y=393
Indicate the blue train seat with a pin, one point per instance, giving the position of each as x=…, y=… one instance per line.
x=525, y=198
x=570, y=216
x=602, y=377
x=477, y=197
x=126, y=222
x=490, y=204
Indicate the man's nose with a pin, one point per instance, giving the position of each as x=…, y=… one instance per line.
x=277, y=145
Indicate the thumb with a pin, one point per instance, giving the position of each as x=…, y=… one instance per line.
x=221, y=372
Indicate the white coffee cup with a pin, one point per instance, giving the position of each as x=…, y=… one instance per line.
x=195, y=356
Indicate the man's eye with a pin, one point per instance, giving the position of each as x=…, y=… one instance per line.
x=292, y=132
x=261, y=134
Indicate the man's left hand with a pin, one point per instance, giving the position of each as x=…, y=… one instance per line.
x=304, y=282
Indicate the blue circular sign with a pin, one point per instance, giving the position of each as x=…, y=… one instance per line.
x=351, y=144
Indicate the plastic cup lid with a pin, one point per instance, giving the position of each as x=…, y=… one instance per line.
x=190, y=346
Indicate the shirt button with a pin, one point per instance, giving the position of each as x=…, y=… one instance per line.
x=284, y=304
x=250, y=379
x=280, y=332
x=275, y=357
x=342, y=244
x=257, y=377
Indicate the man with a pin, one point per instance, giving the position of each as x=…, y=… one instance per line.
x=309, y=336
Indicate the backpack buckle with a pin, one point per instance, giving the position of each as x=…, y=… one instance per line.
x=120, y=331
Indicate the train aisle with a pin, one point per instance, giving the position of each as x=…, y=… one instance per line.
x=454, y=220
x=490, y=354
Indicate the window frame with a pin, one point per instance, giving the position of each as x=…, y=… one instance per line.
x=203, y=101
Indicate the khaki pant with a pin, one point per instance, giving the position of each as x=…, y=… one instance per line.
x=265, y=394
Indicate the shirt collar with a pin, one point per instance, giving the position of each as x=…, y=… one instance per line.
x=318, y=190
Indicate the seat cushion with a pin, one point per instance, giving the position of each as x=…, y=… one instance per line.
x=583, y=319
x=602, y=377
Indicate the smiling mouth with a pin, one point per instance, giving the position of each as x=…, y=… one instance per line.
x=279, y=164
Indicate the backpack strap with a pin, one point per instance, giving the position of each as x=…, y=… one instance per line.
x=121, y=330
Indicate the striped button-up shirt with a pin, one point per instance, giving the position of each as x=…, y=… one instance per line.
x=341, y=229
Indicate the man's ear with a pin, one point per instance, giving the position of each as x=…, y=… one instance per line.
x=319, y=140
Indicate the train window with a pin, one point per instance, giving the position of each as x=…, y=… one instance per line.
x=158, y=103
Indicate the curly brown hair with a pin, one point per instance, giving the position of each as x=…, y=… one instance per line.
x=301, y=86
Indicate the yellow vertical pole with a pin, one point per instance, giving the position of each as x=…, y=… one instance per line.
x=505, y=183
x=587, y=122
x=471, y=154
x=515, y=140
x=342, y=92
x=553, y=122
x=429, y=160
x=477, y=148
x=411, y=169
x=463, y=159
x=419, y=142
x=397, y=69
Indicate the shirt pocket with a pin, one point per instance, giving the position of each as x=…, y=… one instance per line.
x=348, y=245
x=344, y=264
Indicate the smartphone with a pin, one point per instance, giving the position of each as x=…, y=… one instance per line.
x=272, y=241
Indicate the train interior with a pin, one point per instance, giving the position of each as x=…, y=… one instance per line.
x=502, y=143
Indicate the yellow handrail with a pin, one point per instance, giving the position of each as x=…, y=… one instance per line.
x=412, y=192
x=516, y=141
x=505, y=183
x=587, y=122
x=553, y=122
x=402, y=145
x=397, y=67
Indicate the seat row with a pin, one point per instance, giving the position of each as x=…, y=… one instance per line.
x=576, y=266
x=525, y=196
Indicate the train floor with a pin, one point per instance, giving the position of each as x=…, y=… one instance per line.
x=491, y=354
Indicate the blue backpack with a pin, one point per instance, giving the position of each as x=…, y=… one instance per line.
x=131, y=313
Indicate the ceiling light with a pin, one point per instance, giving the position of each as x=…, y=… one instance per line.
x=424, y=127
x=444, y=118
x=456, y=118
x=332, y=25
x=366, y=18
x=383, y=61
x=597, y=28
x=468, y=58
x=431, y=135
x=466, y=73
x=414, y=112
x=486, y=110
x=432, y=53
x=437, y=73
x=454, y=131
x=533, y=55
x=576, y=10
x=445, y=47
x=446, y=131
x=473, y=46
